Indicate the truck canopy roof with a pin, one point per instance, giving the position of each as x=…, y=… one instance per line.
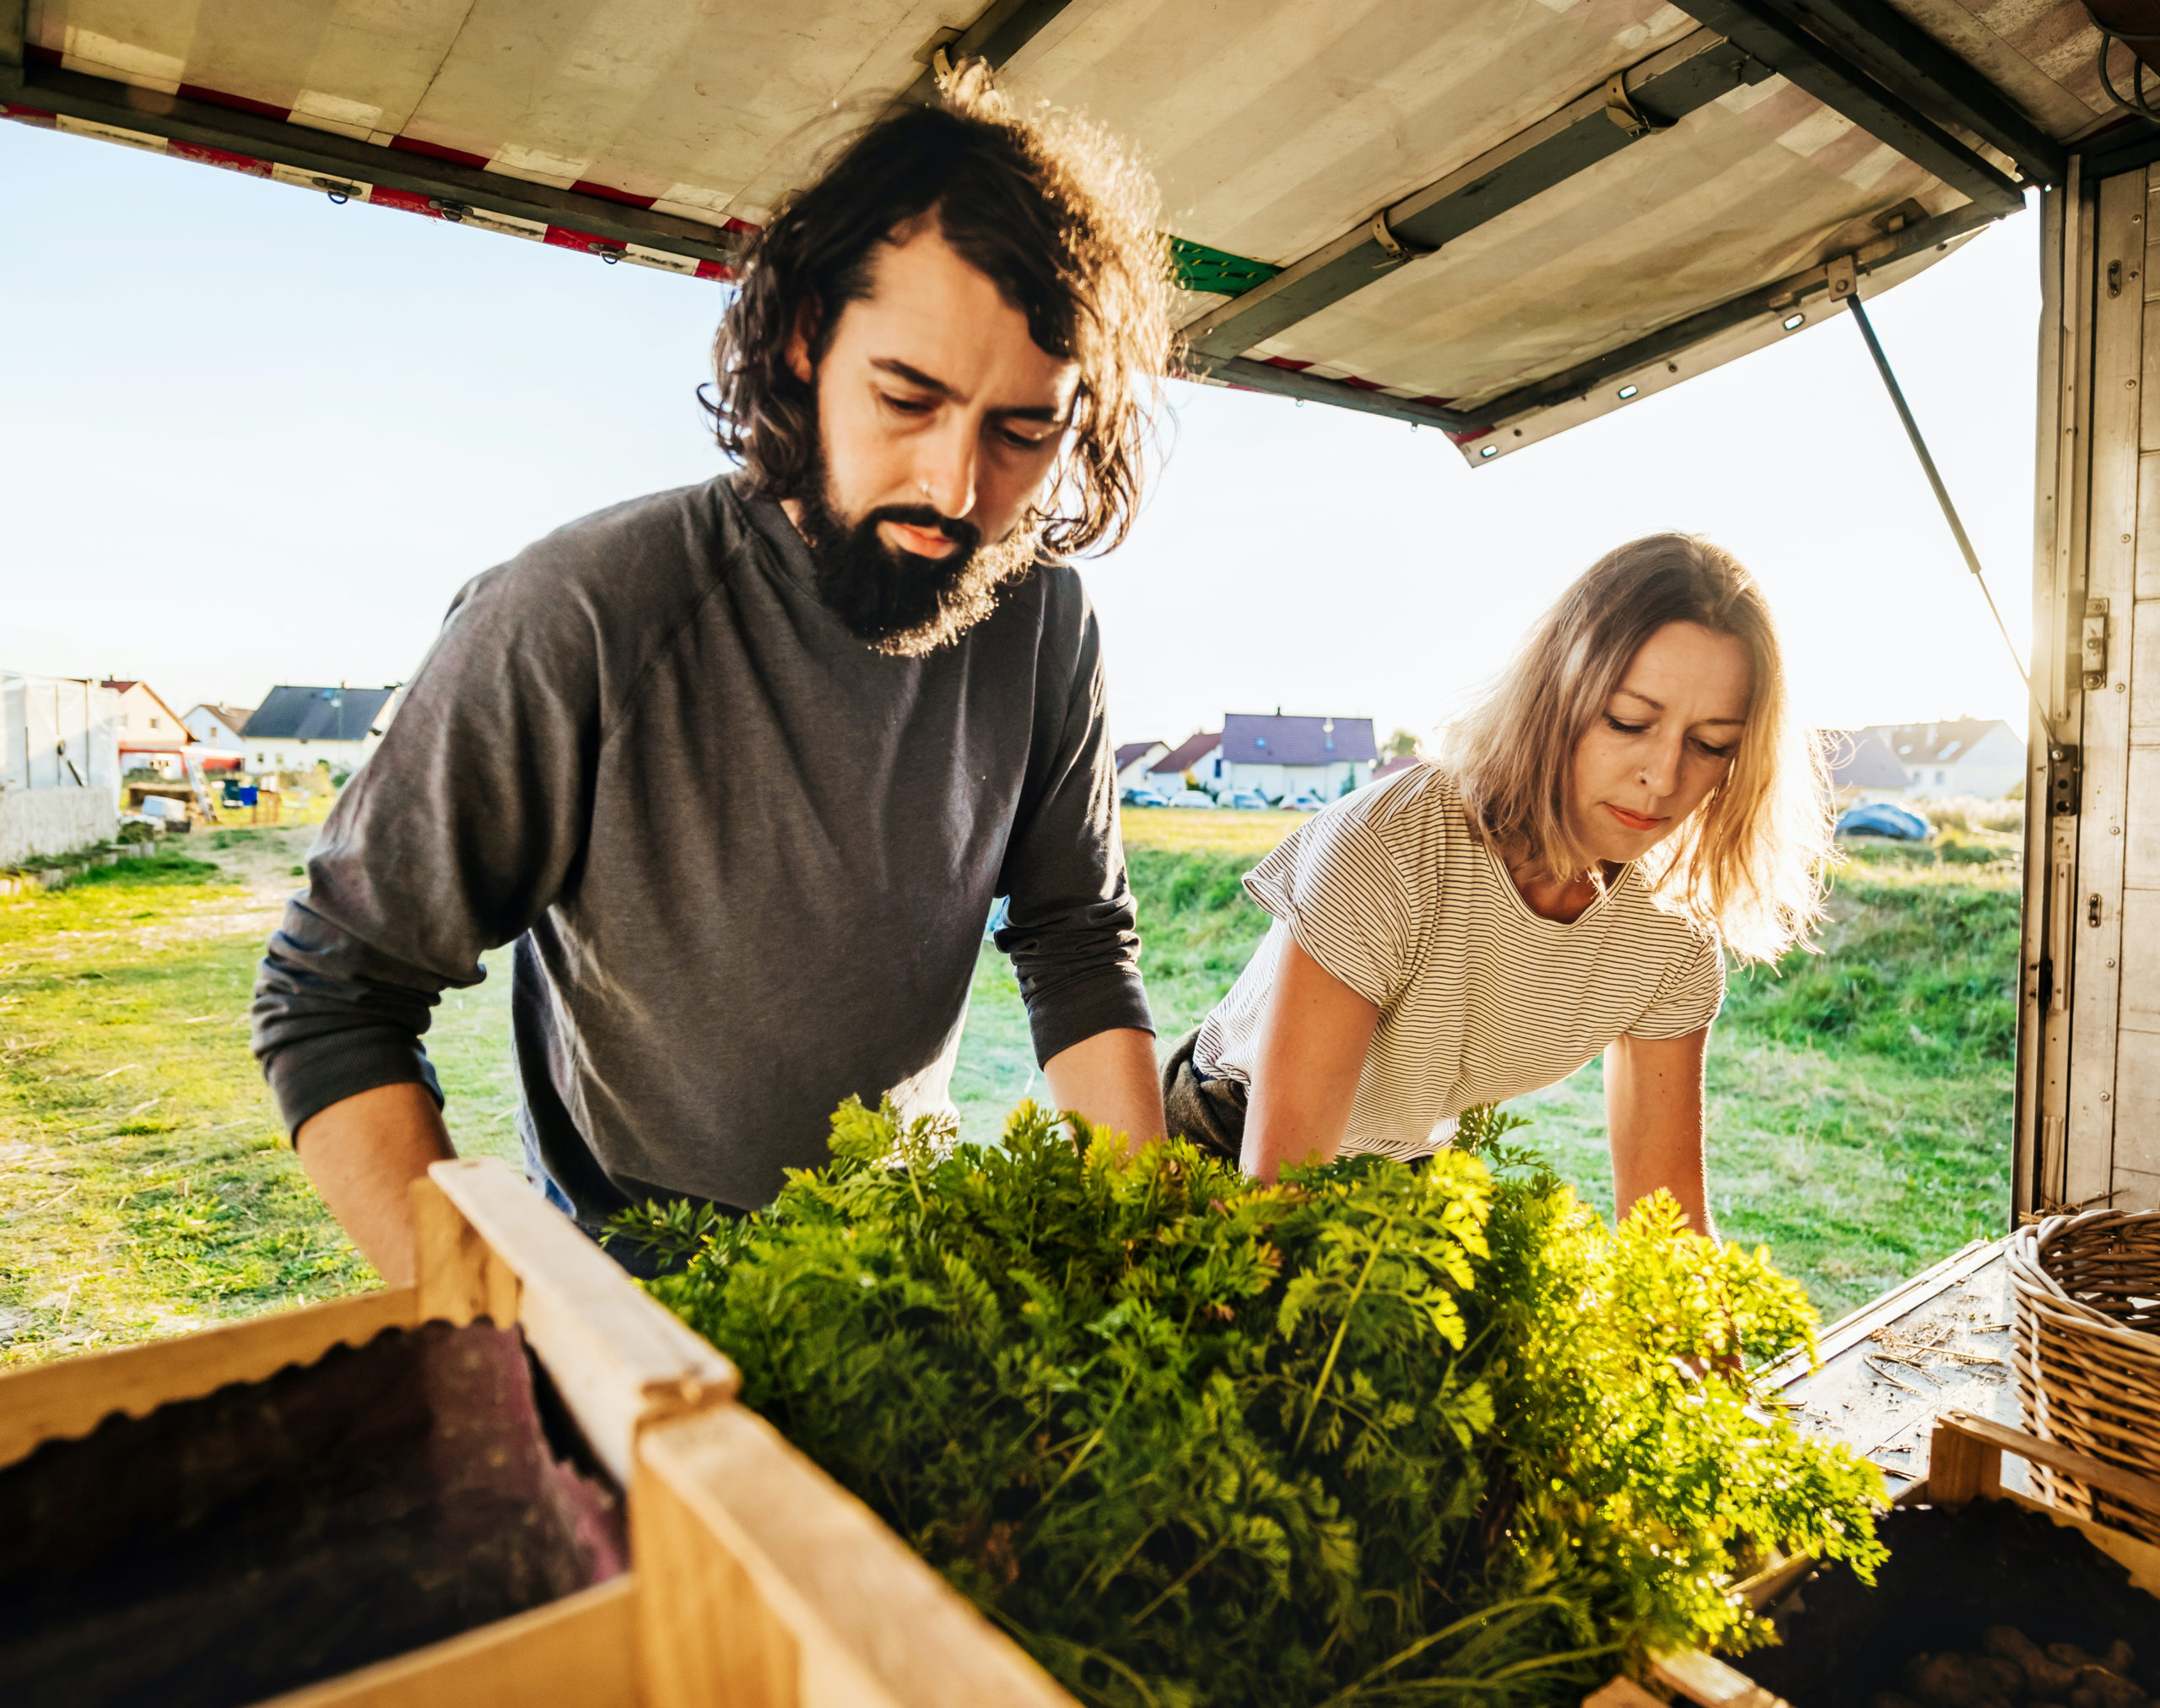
x=1495, y=220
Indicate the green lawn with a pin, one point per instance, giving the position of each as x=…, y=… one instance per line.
x=145, y=1187
x=1860, y=1100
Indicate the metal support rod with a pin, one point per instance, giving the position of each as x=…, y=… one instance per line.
x=1942, y=497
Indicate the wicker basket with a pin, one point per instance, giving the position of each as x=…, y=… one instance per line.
x=2087, y=1337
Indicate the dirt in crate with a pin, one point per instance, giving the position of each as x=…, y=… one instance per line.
x=222, y=1549
x=1950, y=1576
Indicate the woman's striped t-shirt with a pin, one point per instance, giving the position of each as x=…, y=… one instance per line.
x=1480, y=999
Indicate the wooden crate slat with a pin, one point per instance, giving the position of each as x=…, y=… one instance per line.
x=806, y=1561
x=1623, y=1693
x=71, y=1397
x=460, y=1276
x=713, y=1634
x=578, y=1653
x=618, y=1359
x=1966, y=1426
x=1706, y=1680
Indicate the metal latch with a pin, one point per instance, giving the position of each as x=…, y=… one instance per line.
x=1620, y=107
x=1391, y=242
x=2096, y=643
x=1843, y=277
x=2062, y=781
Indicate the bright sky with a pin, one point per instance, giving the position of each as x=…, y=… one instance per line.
x=255, y=438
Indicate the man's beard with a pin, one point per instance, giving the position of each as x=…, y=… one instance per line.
x=902, y=603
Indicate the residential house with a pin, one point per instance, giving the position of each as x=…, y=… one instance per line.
x=1133, y=759
x=1862, y=768
x=153, y=736
x=1395, y=766
x=1198, y=756
x=218, y=727
x=1978, y=756
x=59, y=764
x=295, y=728
x=1278, y=756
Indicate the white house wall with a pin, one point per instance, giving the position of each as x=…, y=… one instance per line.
x=1988, y=769
x=291, y=753
x=1277, y=781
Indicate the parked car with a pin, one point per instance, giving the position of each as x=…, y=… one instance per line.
x=1302, y=803
x=1193, y=797
x=1144, y=797
x=1880, y=819
x=1247, y=800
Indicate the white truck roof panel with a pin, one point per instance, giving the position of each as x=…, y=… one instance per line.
x=1496, y=219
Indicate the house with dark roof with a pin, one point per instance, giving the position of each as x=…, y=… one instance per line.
x=1395, y=766
x=295, y=728
x=1978, y=756
x=1862, y=768
x=1197, y=756
x=1132, y=760
x=1278, y=756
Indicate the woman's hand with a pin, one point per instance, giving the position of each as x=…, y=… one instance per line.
x=1654, y=1112
x=1311, y=1051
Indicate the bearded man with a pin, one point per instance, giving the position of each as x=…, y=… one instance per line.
x=739, y=770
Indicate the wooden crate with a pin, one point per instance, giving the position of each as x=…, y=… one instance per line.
x=756, y=1581
x=1965, y=1463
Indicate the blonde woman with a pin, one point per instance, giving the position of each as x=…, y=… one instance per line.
x=1630, y=799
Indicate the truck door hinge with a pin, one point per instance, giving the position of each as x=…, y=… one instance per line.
x=2062, y=781
x=2095, y=657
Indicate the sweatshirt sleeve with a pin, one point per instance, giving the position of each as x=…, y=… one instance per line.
x=460, y=830
x=1070, y=919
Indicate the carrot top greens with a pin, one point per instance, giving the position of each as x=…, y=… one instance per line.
x=1377, y=1434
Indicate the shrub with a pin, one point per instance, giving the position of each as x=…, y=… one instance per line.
x=1379, y=1432
x=1954, y=850
x=163, y=868
x=1921, y=966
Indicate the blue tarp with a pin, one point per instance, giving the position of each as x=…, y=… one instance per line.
x=1880, y=819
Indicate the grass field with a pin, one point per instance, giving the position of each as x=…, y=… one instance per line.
x=1859, y=1100
x=144, y=1185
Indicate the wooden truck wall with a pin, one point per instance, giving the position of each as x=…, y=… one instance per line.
x=2088, y=1125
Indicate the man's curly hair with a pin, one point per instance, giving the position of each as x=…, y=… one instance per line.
x=1048, y=207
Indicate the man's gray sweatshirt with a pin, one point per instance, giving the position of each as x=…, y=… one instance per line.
x=744, y=860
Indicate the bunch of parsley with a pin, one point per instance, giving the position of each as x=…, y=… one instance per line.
x=1380, y=1434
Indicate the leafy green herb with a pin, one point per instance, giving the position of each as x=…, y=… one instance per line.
x=1377, y=1434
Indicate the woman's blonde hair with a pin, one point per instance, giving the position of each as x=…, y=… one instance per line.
x=1748, y=863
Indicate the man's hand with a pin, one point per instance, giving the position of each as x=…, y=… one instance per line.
x=1111, y=1079
x=364, y=1152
